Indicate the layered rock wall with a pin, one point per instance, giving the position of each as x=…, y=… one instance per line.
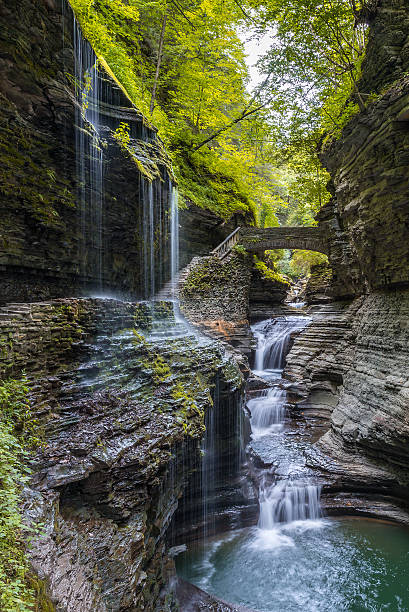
x=72, y=199
x=353, y=358
x=120, y=421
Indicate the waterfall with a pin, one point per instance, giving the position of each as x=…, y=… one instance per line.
x=288, y=501
x=267, y=411
x=174, y=240
x=273, y=341
x=209, y=465
x=102, y=108
x=89, y=158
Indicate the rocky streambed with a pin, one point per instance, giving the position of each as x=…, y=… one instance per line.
x=300, y=485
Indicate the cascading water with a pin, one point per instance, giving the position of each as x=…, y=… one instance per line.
x=90, y=161
x=293, y=559
x=267, y=411
x=273, y=341
x=209, y=466
x=288, y=501
x=174, y=241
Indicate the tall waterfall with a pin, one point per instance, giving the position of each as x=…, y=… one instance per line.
x=101, y=108
x=90, y=160
x=174, y=240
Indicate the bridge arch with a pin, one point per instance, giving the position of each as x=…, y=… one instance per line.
x=256, y=239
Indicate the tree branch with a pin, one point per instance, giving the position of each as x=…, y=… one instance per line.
x=181, y=11
x=247, y=16
x=159, y=61
x=244, y=115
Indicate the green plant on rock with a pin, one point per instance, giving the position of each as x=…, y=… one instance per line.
x=188, y=409
x=122, y=135
x=239, y=249
x=267, y=273
x=161, y=370
x=17, y=433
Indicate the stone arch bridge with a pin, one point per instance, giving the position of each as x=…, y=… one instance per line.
x=256, y=239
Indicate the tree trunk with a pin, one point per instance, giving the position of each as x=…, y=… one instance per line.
x=159, y=61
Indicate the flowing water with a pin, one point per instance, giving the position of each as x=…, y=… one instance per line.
x=295, y=559
x=273, y=342
x=330, y=566
x=100, y=111
x=267, y=412
x=90, y=172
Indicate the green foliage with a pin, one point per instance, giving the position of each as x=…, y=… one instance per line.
x=314, y=61
x=239, y=249
x=122, y=135
x=200, y=91
x=301, y=262
x=187, y=407
x=161, y=370
x=183, y=66
x=17, y=432
x=268, y=273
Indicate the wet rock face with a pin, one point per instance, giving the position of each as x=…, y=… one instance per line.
x=121, y=419
x=350, y=365
x=388, y=49
x=319, y=288
x=201, y=231
x=49, y=246
x=353, y=358
x=371, y=416
x=265, y=294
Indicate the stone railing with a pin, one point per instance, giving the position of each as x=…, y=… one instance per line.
x=257, y=239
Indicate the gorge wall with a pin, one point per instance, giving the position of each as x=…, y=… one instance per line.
x=120, y=420
x=353, y=358
x=80, y=200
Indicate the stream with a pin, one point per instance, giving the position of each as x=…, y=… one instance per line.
x=295, y=558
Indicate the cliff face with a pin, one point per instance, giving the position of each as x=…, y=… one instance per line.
x=368, y=218
x=121, y=420
x=74, y=198
x=353, y=358
x=79, y=201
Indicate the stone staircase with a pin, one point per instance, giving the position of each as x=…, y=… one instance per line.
x=170, y=291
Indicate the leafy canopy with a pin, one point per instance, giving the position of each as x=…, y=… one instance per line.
x=182, y=63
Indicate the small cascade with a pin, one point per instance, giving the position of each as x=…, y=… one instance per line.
x=288, y=501
x=273, y=341
x=267, y=411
